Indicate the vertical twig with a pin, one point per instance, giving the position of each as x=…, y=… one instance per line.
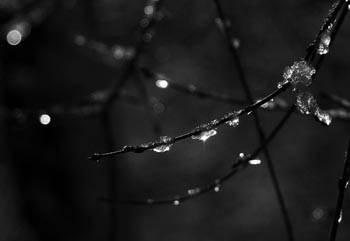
x=111, y=176
x=259, y=128
x=343, y=184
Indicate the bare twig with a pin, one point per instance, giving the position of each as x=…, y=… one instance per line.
x=343, y=184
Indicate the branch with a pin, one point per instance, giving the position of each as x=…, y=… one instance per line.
x=343, y=184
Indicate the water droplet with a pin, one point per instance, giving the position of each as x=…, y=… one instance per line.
x=162, y=83
x=150, y=201
x=306, y=103
x=299, y=74
x=317, y=214
x=176, y=202
x=149, y=10
x=325, y=40
x=254, y=162
x=80, y=40
x=14, y=37
x=166, y=147
x=323, y=116
x=241, y=155
x=340, y=216
x=205, y=135
x=236, y=43
x=347, y=184
x=45, y=119
x=234, y=119
x=194, y=191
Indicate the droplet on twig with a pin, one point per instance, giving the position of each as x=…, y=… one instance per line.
x=299, y=74
x=340, y=216
x=254, y=162
x=205, y=135
x=205, y=131
x=165, y=147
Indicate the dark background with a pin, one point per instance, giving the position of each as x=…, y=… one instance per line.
x=50, y=191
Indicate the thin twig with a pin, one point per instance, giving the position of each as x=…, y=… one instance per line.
x=261, y=133
x=343, y=184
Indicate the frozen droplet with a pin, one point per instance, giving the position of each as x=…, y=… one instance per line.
x=340, y=216
x=325, y=40
x=205, y=135
x=254, y=162
x=45, y=119
x=306, y=103
x=162, y=83
x=194, y=191
x=234, y=119
x=299, y=74
x=324, y=116
x=176, y=202
x=165, y=147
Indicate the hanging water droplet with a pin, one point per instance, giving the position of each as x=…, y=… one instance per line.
x=325, y=40
x=234, y=119
x=166, y=147
x=194, y=191
x=176, y=202
x=323, y=116
x=241, y=155
x=217, y=185
x=306, y=103
x=268, y=105
x=205, y=135
x=340, y=216
x=217, y=188
x=299, y=74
